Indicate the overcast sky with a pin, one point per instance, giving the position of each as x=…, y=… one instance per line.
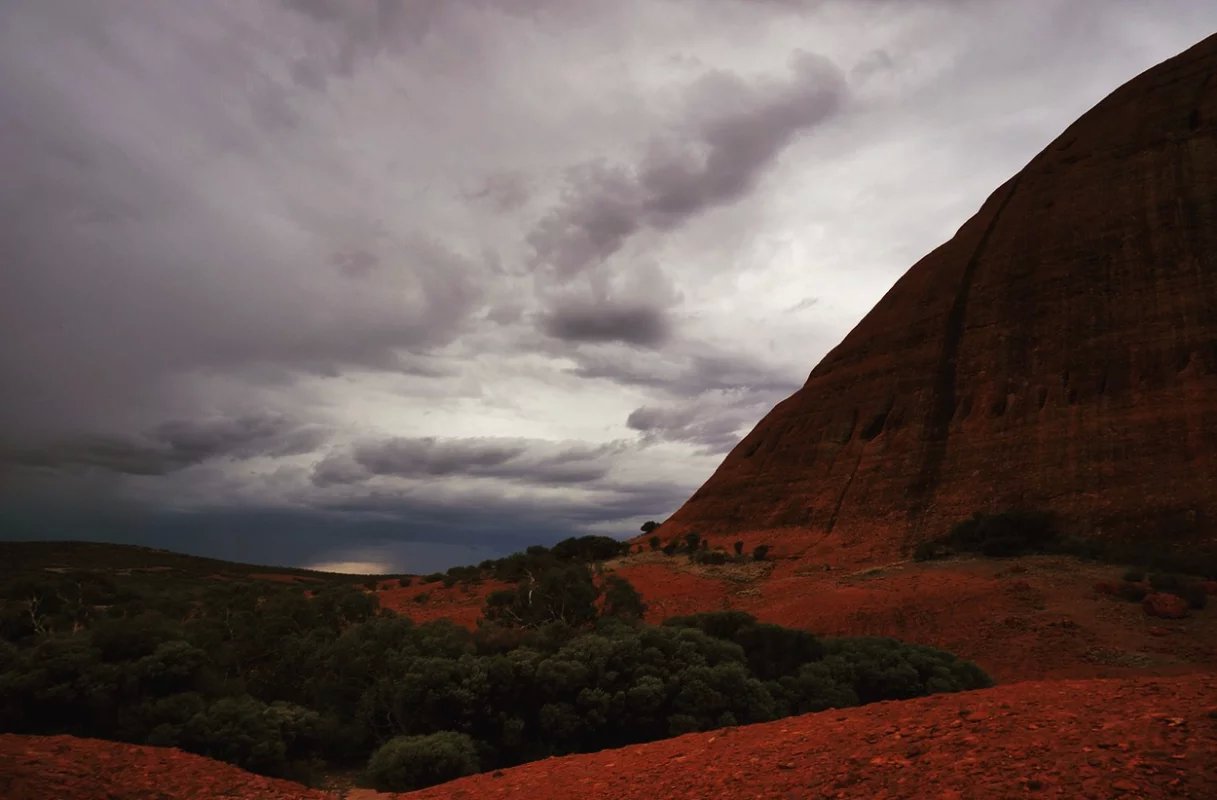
x=397, y=285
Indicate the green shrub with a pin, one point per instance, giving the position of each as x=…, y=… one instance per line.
x=1134, y=575
x=132, y=637
x=589, y=548
x=1008, y=533
x=413, y=762
x=1132, y=592
x=709, y=557
x=878, y=669
x=655, y=542
x=1087, y=549
x=1190, y=590
x=247, y=732
x=692, y=540
x=669, y=549
x=1165, y=582
x=621, y=599
x=1196, y=596
x=760, y=552
x=928, y=551
x=564, y=593
x=739, y=548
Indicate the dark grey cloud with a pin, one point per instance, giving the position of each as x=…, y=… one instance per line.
x=803, y=305
x=687, y=374
x=364, y=29
x=712, y=422
x=522, y=460
x=432, y=456
x=482, y=511
x=732, y=132
x=174, y=446
x=873, y=62
x=714, y=430
x=594, y=322
x=355, y=263
x=709, y=398
x=503, y=191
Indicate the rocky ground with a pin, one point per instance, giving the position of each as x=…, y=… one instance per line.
x=1130, y=737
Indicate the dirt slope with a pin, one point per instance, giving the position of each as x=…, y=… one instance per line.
x=67, y=768
x=1021, y=619
x=1135, y=738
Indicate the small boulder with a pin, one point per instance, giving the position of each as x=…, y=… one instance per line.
x=1166, y=606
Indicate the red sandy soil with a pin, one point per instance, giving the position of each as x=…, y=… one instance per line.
x=67, y=768
x=1136, y=738
x=1021, y=619
x=460, y=603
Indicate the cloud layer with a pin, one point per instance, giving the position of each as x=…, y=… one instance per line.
x=409, y=282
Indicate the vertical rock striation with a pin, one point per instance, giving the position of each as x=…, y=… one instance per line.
x=1059, y=353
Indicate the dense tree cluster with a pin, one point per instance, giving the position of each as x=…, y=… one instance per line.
x=284, y=680
x=535, y=560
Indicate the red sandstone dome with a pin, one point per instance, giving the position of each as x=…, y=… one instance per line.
x=1059, y=353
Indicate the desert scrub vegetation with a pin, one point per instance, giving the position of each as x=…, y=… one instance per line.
x=1009, y=533
x=1189, y=589
x=289, y=680
x=412, y=762
x=1023, y=532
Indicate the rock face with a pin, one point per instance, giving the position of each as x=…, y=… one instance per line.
x=1059, y=353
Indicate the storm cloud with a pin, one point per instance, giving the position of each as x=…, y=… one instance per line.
x=732, y=130
x=538, y=462
x=632, y=324
x=175, y=445
x=408, y=283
